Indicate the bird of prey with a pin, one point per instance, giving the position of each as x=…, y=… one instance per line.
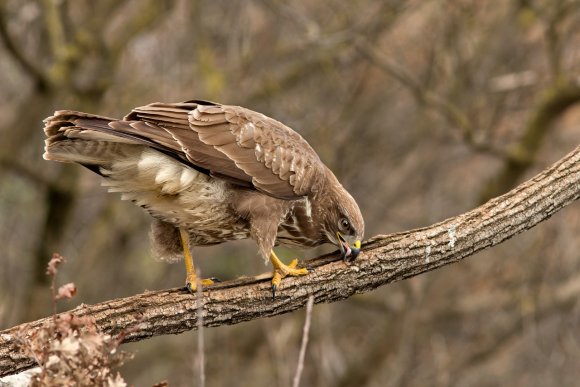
x=209, y=173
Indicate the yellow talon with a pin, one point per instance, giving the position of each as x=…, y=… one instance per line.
x=281, y=270
x=191, y=276
x=276, y=279
x=191, y=283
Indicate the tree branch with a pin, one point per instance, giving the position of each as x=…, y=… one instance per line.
x=385, y=259
x=446, y=108
x=19, y=56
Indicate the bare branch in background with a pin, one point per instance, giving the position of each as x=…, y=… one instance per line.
x=452, y=113
x=39, y=78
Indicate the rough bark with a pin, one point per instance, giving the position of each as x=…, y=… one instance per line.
x=385, y=259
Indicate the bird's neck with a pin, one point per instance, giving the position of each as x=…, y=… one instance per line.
x=323, y=203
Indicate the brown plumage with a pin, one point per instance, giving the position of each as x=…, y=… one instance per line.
x=214, y=171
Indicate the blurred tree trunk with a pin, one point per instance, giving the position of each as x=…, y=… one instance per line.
x=77, y=50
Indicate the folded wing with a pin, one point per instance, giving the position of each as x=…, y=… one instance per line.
x=232, y=143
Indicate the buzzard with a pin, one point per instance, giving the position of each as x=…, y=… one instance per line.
x=209, y=173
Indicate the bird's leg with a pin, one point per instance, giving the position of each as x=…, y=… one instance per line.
x=281, y=270
x=191, y=276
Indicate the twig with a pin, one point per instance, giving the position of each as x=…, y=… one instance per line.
x=446, y=108
x=28, y=66
x=24, y=171
x=384, y=259
x=305, y=332
x=200, y=336
x=53, y=18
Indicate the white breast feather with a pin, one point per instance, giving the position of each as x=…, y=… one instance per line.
x=308, y=208
x=170, y=189
x=169, y=175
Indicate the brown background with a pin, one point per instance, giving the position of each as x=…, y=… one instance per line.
x=422, y=108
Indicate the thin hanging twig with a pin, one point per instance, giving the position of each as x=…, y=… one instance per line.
x=200, y=337
x=305, y=332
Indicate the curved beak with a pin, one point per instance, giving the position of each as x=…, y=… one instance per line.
x=348, y=253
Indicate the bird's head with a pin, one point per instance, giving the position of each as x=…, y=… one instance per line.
x=344, y=225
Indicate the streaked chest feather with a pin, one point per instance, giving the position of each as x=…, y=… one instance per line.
x=202, y=204
x=178, y=195
x=298, y=229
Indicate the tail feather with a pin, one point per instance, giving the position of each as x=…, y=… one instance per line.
x=62, y=118
x=99, y=153
x=82, y=138
x=91, y=139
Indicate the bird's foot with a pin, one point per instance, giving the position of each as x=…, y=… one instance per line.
x=191, y=276
x=281, y=270
x=191, y=283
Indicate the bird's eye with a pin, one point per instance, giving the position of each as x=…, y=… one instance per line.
x=344, y=225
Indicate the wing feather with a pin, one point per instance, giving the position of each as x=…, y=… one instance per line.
x=265, y=149
x=228, y=142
